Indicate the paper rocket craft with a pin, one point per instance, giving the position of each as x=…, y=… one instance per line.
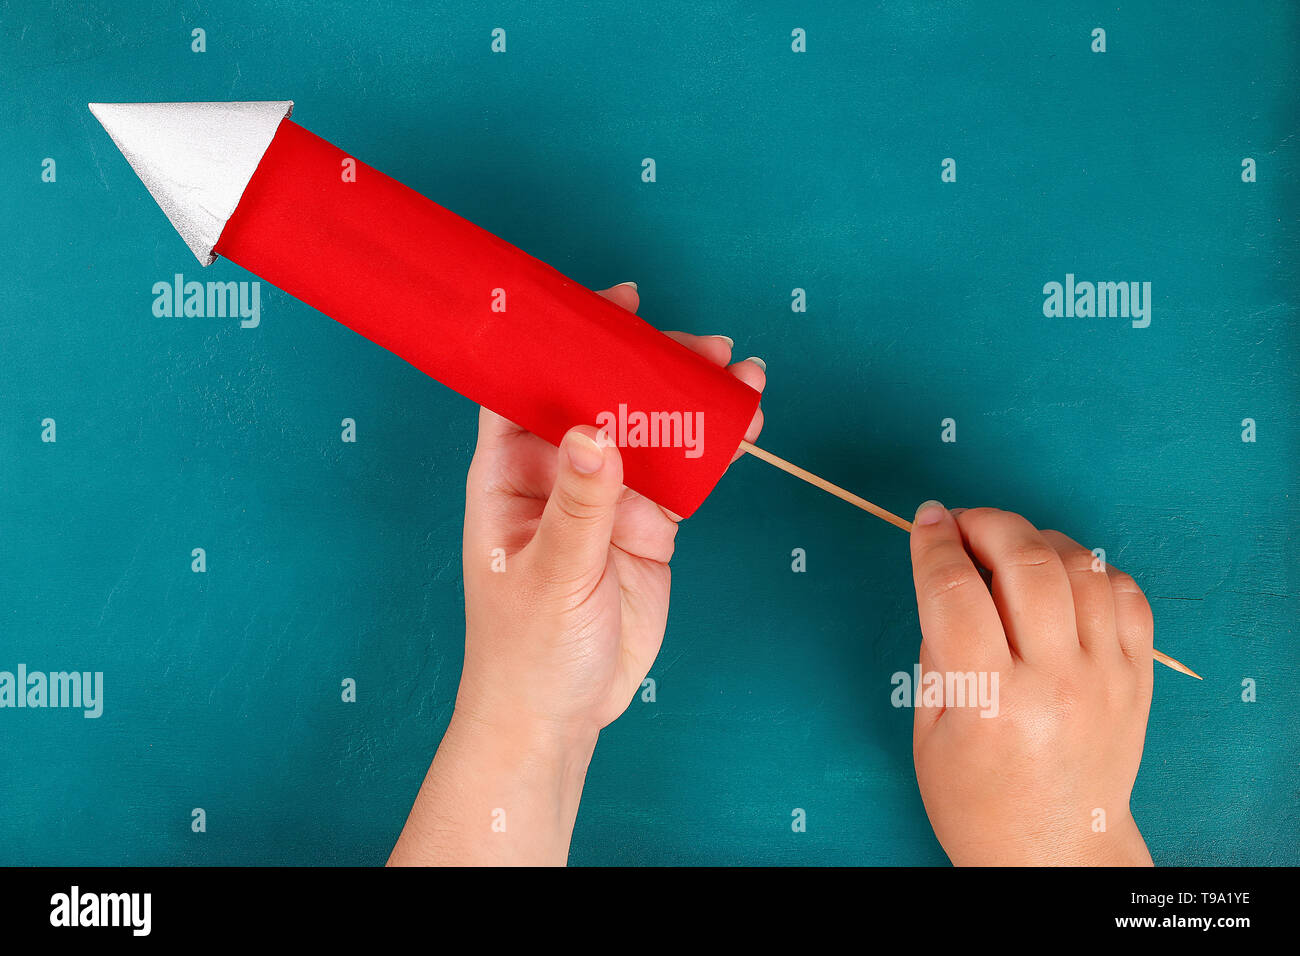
x=243, y=181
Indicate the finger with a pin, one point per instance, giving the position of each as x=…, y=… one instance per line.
x=715, y=348
x=571, y=546
x=644, y=529
x=753, y=372
x=510, y=461
x=958, y=618
x=1094, y=605
x=624, y=294
x=1134, y=624
x=493, y=430
x=754, y=430
x=1029, y=584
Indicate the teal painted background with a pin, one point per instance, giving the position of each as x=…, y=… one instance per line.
x=775, y=171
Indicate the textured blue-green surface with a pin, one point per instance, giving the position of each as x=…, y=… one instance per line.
x=776, y=170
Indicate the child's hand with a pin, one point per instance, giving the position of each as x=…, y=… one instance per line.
x=565, y=634
x=566, y=600
x=1073, y=650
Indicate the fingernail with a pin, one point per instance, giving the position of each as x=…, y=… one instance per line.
x=584, y=454
x=731, y=343
x=757, y=361
x=930, y=512
x=632, y=284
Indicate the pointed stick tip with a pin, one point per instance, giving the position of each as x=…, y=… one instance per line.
x=1177, y=665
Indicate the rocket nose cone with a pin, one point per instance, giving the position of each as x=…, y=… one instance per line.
x=194, y=158
x=111, y=117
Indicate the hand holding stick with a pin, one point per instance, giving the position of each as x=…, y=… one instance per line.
x=893, y=519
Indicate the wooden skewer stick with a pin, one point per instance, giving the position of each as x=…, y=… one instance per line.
x=825, y=485
x=893, y=519
x=1175, y=664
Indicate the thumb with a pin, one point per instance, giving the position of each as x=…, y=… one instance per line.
x=572, y=540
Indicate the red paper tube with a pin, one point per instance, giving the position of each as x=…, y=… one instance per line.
x=485, y=318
